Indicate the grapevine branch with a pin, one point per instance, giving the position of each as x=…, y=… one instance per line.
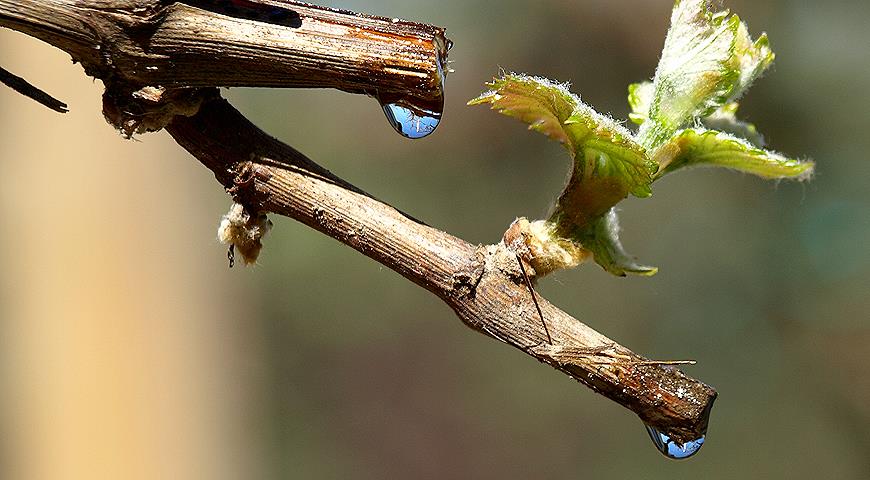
x=193, y=46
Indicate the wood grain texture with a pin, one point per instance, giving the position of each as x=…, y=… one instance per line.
x=201, y=43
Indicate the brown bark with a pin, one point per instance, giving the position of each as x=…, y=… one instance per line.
x=193, y=46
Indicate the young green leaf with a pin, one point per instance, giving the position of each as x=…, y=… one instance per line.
x=724, y=118
x=599, y=145
x=755, y=57
x=608, y=165
x=542, y=104
x=640, y=95
x=708, y=61
x=697, y=147
x=697, y=70
x=602, y=239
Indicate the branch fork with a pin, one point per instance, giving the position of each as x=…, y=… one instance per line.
x=163, y=77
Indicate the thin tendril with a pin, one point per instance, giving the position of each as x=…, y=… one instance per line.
x=535, y=299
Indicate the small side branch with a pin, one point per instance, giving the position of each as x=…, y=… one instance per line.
x=25, y=88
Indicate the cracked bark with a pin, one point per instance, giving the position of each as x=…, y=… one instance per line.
x=159, y=60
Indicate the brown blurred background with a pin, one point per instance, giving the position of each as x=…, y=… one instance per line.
x=129, y=350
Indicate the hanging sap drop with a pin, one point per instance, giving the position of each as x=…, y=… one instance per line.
x=671, y=449
x=413, y=117
x=409, y=121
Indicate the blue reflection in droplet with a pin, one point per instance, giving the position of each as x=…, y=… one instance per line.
x=670, y=448
x=414, y=118
x=410, y=123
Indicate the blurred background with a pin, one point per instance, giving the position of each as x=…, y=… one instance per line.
x=129, y=350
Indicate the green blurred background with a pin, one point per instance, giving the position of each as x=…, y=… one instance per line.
x=129, y=350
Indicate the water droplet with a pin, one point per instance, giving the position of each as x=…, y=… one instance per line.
x=416, y=118
x=409, y=121
x=672, y=449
